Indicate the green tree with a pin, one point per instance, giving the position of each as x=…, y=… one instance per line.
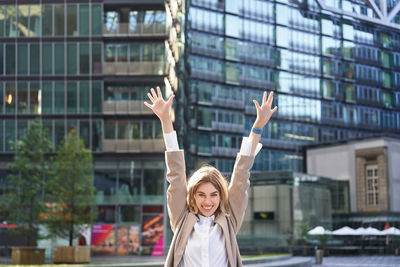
x=73, y=194
x=24, y=200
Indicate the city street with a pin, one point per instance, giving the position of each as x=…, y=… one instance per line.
x=360, y=261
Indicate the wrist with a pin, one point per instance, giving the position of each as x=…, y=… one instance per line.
x=258, y=125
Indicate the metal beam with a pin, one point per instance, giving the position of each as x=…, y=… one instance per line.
x=375, y=8
x=395, y=10
x=383, y=6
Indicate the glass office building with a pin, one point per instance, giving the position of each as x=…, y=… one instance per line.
x=333, y=65
x=88, y=65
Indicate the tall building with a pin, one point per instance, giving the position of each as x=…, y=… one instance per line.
x=333, y=65
x=88, y=64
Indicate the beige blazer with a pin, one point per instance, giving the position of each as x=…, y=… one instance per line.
x=182, y=221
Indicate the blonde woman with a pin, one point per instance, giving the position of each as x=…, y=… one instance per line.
x=206, y=213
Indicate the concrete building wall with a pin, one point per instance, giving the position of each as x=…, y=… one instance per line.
x=394, y=174
x=339, y=162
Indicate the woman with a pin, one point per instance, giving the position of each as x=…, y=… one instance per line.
x=205, y=213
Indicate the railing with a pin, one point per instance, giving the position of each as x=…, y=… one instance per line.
x=227, y=127
x=134, y=145
x=224, y=102
x=139, y=29
x=140, y=68
x=125, y=107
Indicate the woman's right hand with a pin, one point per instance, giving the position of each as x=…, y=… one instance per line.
x=159, y=106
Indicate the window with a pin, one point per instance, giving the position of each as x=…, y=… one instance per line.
x=10, y=58
x=47, y=59
x=84, y=66
x=22, y=59
x=23, y=11
x=372, y=185
x=83, y=20
x=72, y=58
x=2, y=19
x=11, y=29
x=96, y=58
x=96, y=20
x=59, y=58
x=84, y=97
x=34, y=59
x=34, y=22
x=47, y=20
x=72, y=28
x=72, y=97
x=59, y=20
x=34, y=93
x=22, y=98
x=47, y=98
x=59, y=97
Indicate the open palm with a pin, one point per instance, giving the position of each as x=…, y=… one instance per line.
x=159, y=106
x=264, y=112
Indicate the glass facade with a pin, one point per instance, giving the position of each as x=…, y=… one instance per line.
x=87, y=65
x=333, y=79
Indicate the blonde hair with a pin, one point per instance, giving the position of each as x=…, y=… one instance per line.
x=208, y=174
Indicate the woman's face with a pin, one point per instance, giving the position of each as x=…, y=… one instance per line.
x=207, y=199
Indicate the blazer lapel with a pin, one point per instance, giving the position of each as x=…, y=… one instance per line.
x=189, y=225
x=222, y=221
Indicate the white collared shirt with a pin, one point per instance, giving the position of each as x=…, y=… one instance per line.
x=205, y=246
x=206, y=243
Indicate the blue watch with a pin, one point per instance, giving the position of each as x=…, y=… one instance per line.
x=256, y=130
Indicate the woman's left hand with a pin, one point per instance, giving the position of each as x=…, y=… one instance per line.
x=264, y=112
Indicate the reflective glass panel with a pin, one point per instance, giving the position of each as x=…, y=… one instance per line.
x=23, y=20
x=22, y=59
x=97, y=102
x=34, y=59
x=59, y=97
x=47, y=20
x=72, y=58
x=59, y=19
x=2, y=19
x=84, y=58
x=34, y=99
x=10, y=58
x=96, y=20
x=59, y=58
x=96, y=58
x=72, y=97
x=22, y=98
x=83, y=20
x=10, y=98
x=72, y=28
x=47, y=98
x=47, y=59
x=84, y=97
x=11, y=30
x=34, y=22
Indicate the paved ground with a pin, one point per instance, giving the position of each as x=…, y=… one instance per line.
x=360, y=261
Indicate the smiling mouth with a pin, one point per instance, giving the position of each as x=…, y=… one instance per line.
x=208, y=208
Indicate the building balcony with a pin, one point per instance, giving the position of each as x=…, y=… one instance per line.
x=139, y=29
x=245, y=81
x=135, y=68
x=224, y=151
x=211, y=52
x=227, y=127
x=207, y=75
x=229, y=103
x=125, y=107
x=257, y=60
x=134, y=145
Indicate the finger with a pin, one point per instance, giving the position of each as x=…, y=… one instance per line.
x=153, y=93
x=147, y=105
x=270, y=98
x=275, y=109
x=150, y=97
x=256, y=103
x=264, y=97
x=159, y=92
x=171, y=98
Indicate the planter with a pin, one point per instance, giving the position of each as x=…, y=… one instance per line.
x=71, y=254
x=319, y=254
x=26, y=255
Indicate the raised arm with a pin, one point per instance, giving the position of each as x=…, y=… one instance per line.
x=264, y=113
x=174, y=158
x=161, y=108
x=239, y=184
